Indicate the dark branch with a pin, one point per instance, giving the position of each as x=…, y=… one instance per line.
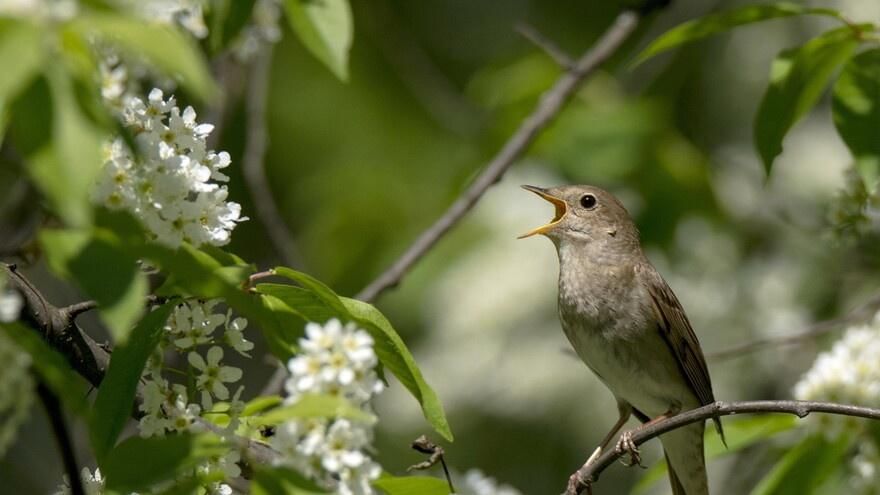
x=79, y=308
x=58, y=328
x=90, y=359
x=65, y=445
x=590, y=473
x=861, y=313
x=548, y=107
x=547, y=45
x=253, y=160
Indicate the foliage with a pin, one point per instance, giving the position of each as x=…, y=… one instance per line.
x=134, y=214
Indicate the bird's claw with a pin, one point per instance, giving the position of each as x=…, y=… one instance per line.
x=576, y=481
x=626, y=446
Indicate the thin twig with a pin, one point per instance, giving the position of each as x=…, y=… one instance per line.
x=79, y=308
x=590, y=473
x=860, y=313
x=436, y=454
x=547, y=45
x=65, y=445
x=253, y=159
x=548, y=107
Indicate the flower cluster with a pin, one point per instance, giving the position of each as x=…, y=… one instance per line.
x=849, y=372
x=196, y=332
x=92, y=483
x=171, y=184
x=16, y=390
x=337, y=360
x=167, y=406
x=475, y=482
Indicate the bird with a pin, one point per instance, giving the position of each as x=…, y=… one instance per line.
x=626, y=324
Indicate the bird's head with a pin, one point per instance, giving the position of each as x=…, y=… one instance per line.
x=586, y=215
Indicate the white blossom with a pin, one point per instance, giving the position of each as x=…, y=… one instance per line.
x=212, y=375
x=475, y=482
x=335, y=359
x=93, y=484
x=849, y=373
x=172, y=184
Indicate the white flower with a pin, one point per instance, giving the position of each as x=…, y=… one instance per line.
x=234, y=335
x=341, y=448
x=195, y=323
x=172, y=184
x=335, y=360
x=477, y=483
x=92, y=483
x=213, y=376
x=848, y=373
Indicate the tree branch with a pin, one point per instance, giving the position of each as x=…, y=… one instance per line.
x=861, y=313
x=548, y=107
x=558, y=55
x=590, y=473
x=253, y=160
x=90, y=359
x=59, y=428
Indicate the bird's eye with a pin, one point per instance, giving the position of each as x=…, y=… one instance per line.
x=588, y=201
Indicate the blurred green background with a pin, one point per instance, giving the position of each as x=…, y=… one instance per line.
x=358, y=169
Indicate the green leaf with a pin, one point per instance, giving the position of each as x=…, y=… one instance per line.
x=99, y=262
x=803, y=468
x=138, y=463
x=711, y=24
x=282, y=481
x=21, y=56
x=314, y=406
x=317, y=302
x=740, y=432
x=396, y=357
x=260, y=404
x=412, y=485
x=65, y=171
x=326, y=294
x=856, y=110
x=797, y=80
x=163, y=46
x=325, y=28
x=113, y=405
x=52, y=367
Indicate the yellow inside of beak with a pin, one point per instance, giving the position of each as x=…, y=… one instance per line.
x=561, y=209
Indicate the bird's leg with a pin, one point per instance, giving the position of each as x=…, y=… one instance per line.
x=576, y=480
x=625, y=444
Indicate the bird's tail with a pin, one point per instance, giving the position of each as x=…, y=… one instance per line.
x=684, y=456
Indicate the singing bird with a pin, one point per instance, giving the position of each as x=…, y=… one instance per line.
x=626, y=324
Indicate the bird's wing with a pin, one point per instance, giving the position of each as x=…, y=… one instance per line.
x=678, y=334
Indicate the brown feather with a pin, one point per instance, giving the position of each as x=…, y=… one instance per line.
x=680, y=337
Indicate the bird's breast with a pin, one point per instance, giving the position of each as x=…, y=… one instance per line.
x=609, y=322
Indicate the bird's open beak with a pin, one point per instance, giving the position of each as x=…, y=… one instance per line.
x=561, y=208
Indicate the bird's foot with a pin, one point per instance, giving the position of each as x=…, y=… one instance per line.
x=626, y=446
x=577, y=484
x=577, y=480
